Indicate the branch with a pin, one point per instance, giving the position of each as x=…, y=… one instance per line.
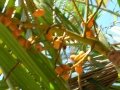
x=104, y=9
x=87, y=9
x=100, y=47
x=78, y=11
x=87, y=12
x=96, y=11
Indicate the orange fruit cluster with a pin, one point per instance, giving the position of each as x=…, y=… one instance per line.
x=23, y=42
x=76, y=58
x=57, y=44
x=9, y=11
x=91, y=22
x=63, y=71
x=89, y=33
x=17, y=33
x=79, y=69
x=49, y=36
x=38, y=47
x=38, y=12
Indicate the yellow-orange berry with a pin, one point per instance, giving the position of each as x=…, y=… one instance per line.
x=59, y=70
x=9, y=11
x=49, y=36
x=57, y=44
x=16, y=33
x=91, y=22
x=65, y=67
x=38, y=47
x=12, y=27
x=38, y=13
x=65, y=76
x=89, y=34
x=27, y=44
x=6, y=21
x=22, y=41
x=79, y=69
x=72, y=57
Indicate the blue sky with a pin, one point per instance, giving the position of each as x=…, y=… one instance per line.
x=106, y=19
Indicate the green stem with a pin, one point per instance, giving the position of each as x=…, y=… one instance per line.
x=100, y=47
x=86, y=19
x=8, y=82
x=96, y=11
x=77, y=11
x=87, y=9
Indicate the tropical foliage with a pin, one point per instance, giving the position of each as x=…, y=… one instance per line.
x=45, y=44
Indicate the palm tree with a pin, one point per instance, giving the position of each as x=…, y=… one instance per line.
x=54, y=45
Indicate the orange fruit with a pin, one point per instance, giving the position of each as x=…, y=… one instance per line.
x=9, y=11
x=27, y=44
x=2, y=18
x=6, y=21
x=49, y=36
x=22, y=41
x=12, y=27
x=38, y=13
x=38, y=47
x=89, y=34
x=57, y=44
x=65, y=76
x=59, y=70
x=17, y=33
x=65, y=67
x=72, y=57
x=91, y=22
x=63, y=71
x=79, y=69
